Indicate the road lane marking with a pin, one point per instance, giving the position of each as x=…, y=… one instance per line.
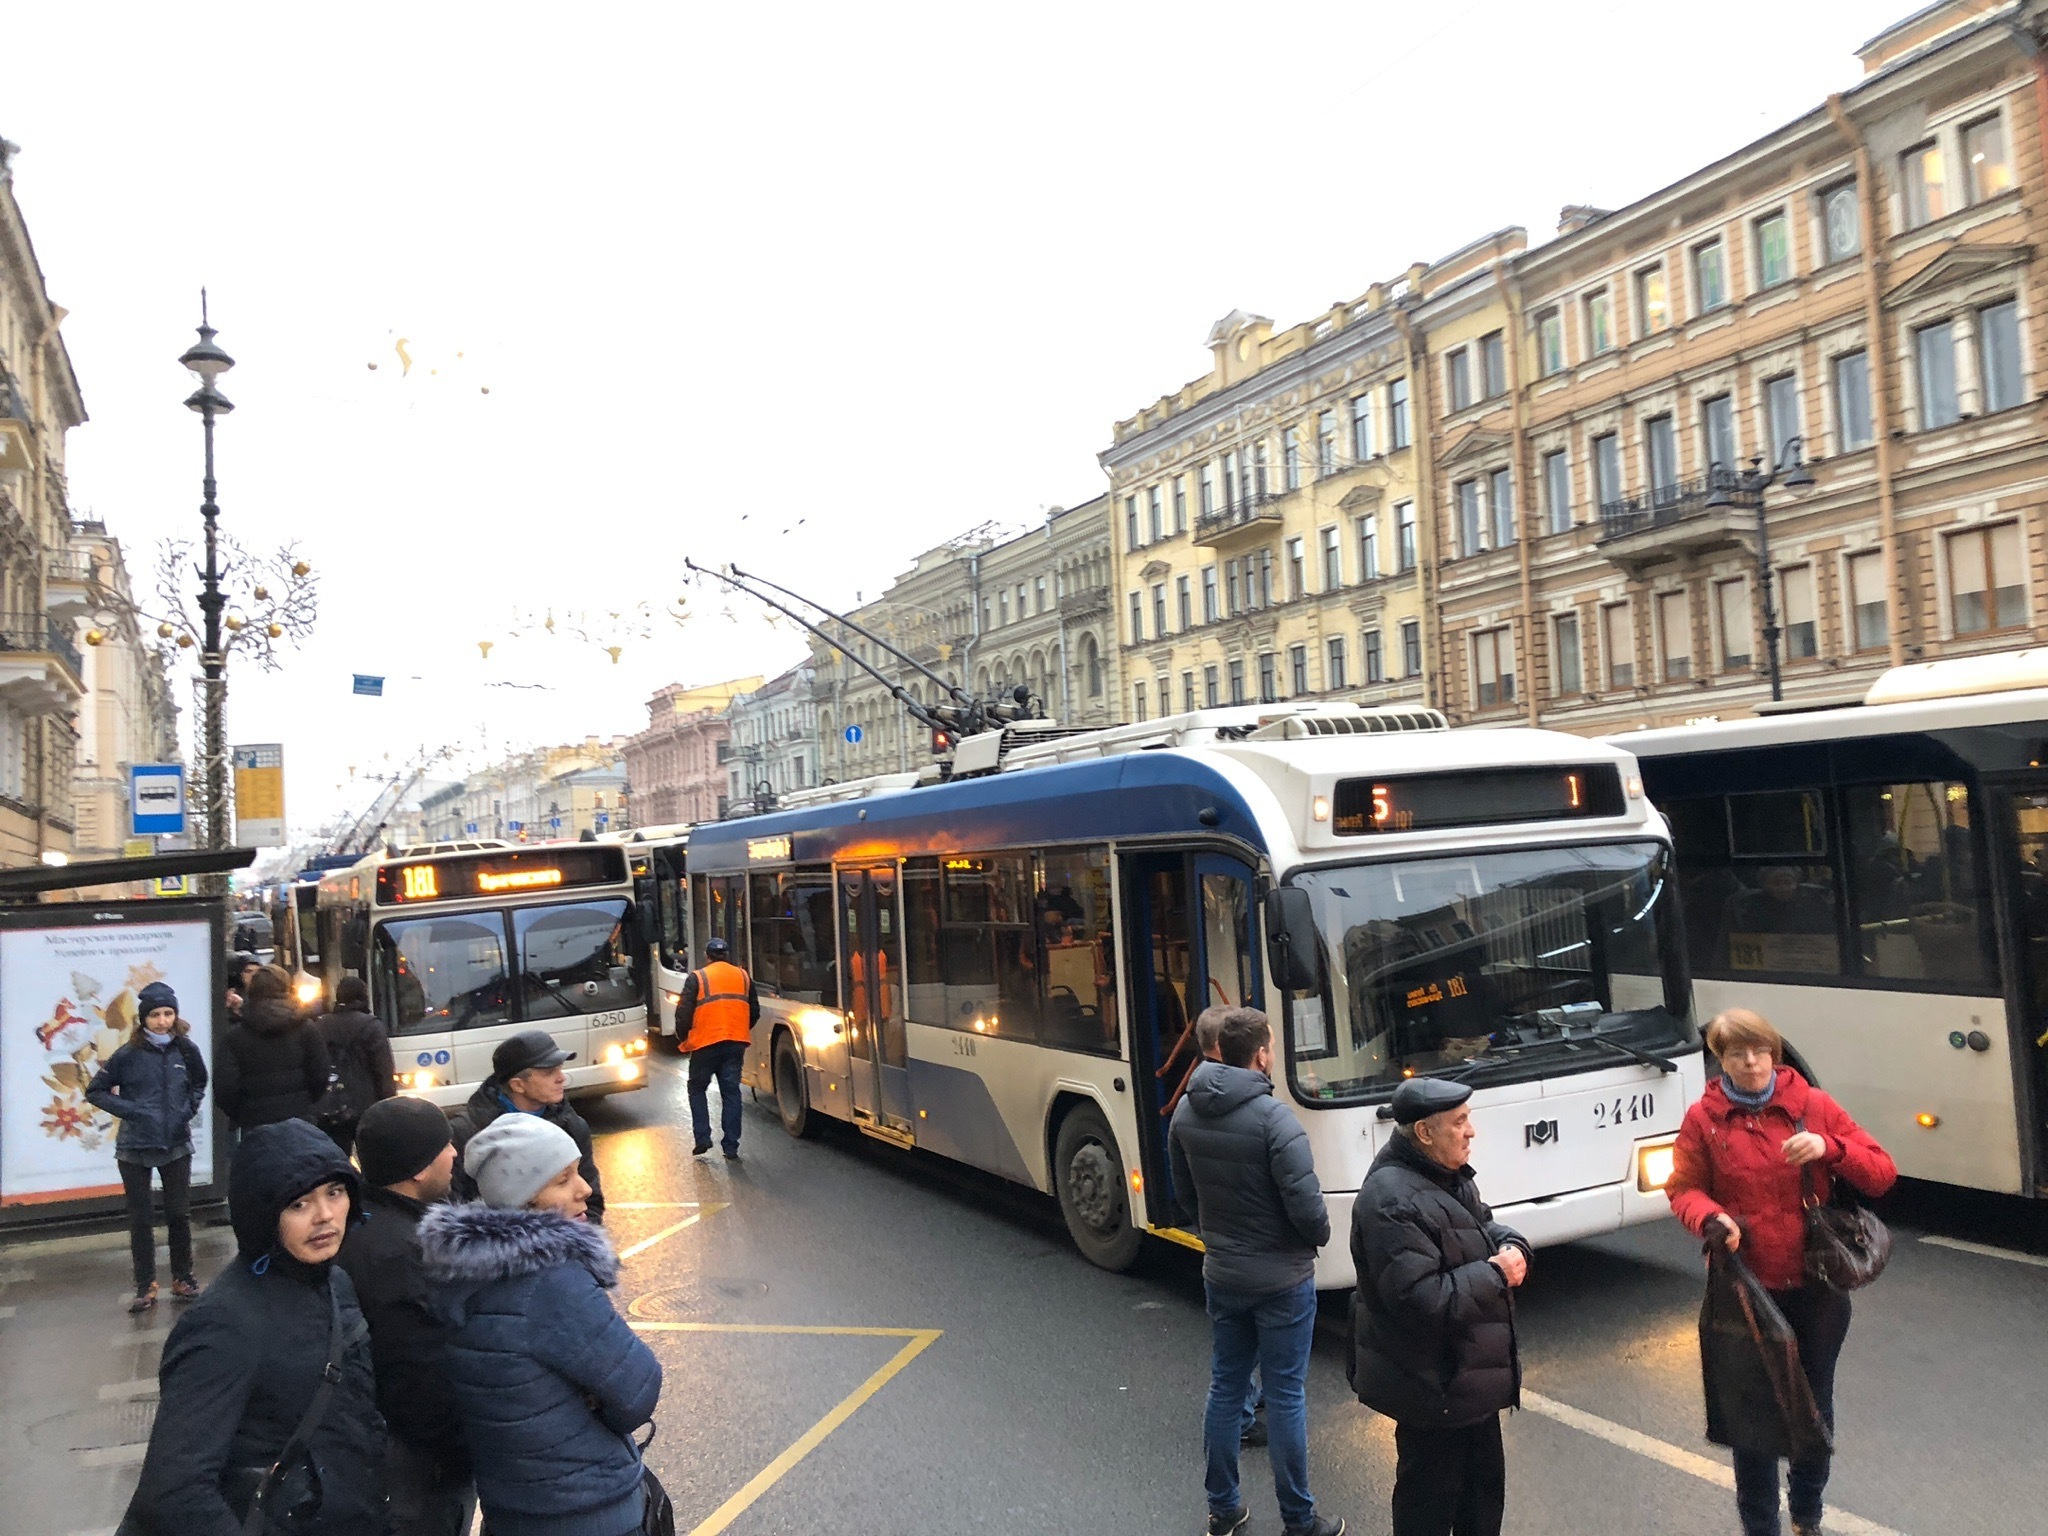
x=123, y=1391
x=16, y=1276
x=141, y=1336
x=5, y=1313
x=646, y=1243
x=1705, y=1468
x=919, y=1340
x=114, y=1455
x=2011, y=1255
x=651, y=1205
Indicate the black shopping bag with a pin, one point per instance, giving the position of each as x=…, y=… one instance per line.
x=1758, y=1398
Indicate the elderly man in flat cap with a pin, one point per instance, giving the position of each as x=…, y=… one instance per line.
x=1433, y=1321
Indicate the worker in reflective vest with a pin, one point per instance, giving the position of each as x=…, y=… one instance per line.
x=716, y=1018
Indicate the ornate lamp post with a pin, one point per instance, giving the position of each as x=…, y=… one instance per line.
x=1744, y=488
x=208, y=362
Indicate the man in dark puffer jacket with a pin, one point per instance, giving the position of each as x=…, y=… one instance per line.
x=1433, y=1322
x=1244, y=1159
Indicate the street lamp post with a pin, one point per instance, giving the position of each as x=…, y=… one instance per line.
x=208, y=362
x=1746, y=487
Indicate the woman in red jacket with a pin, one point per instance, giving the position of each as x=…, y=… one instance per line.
x=1741, y=1163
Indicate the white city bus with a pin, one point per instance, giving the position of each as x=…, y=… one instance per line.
x=1003, y=969
x=1873, y=878
x=661, y=889
x=463, y=949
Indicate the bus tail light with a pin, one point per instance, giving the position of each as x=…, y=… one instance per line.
x=1926, y=1121
x=1654, y=1166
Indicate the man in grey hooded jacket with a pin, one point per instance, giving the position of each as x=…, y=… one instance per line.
x=1243, y=1160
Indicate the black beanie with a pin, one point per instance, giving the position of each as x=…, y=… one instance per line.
x=398, y=1137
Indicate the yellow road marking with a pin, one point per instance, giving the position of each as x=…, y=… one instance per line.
x=646, y=1243
x=919, y=1340
x=649, y=1205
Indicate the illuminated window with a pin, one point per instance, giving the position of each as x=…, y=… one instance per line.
x=1653, y=309
x=1984, y=154
x=1921, y=191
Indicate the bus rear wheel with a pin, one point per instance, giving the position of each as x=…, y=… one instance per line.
x=791, y=1102
x=1089, y=1176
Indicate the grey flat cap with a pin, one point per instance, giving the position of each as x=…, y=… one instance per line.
x=1421, y=1097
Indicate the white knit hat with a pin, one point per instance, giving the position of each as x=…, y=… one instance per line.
x=512, y=1159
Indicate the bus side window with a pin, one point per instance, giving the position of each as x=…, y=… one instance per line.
x=1913, y=881
x=1225, y=899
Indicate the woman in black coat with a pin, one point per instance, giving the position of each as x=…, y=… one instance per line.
x=153, y=1085
x=270, y=1065
x=242, y=1367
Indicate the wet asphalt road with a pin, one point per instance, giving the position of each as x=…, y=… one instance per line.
x=859, y=1338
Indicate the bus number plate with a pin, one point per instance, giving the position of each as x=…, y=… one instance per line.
x=1630, y=1109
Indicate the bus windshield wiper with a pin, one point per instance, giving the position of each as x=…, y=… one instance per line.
x=1647, y=1058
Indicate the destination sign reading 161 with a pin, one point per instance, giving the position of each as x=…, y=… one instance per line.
x=511, y=873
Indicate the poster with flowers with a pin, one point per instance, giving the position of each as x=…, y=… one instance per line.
x=67, y=1002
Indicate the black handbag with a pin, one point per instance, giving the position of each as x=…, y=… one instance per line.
x=1846, y=1245
x=657, y=1514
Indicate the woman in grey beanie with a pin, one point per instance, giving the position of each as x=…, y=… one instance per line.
x=550, y=1380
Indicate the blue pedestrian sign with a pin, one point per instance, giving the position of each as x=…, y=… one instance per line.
x=516, y=826
x=373, y=687
x=156, y=798
x=469, y=827
x=853, y=735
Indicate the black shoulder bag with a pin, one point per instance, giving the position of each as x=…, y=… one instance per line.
x=657, y=1514
x=1846, y=1244
x=285, y=1496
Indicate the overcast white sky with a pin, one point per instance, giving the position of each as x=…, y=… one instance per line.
x=892, y=270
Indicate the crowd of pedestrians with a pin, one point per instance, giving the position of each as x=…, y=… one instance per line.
x=427, y=1329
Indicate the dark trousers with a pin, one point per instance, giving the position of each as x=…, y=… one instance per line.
x=426, y=1498
x=1450, y=1482
x=177, y=1177
x=723, y=1061
x=1820, y=1321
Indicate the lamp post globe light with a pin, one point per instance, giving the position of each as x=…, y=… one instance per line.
x=208, y=362
x=1746, y=487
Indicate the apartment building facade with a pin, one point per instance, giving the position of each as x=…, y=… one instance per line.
x=1265, y=520
x=985, y=614
x=1849, y=307
x=126, y=712
x=675, y=769
x=774, y=738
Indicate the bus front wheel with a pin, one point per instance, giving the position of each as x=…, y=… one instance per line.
x=791, y=1102
x=1089, y=1176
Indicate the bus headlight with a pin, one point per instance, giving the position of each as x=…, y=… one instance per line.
x=308, y=990
x=1654, y=1166
x=614, y=1054
x=638, y=1046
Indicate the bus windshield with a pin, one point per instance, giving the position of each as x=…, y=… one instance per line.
x=450, y=971
x=1489, y=967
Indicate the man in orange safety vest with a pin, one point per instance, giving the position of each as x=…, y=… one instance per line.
x=716, y=1018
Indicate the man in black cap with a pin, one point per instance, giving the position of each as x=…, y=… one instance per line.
x=1433, y=1320
x=527, y=1078
x=408, y=1161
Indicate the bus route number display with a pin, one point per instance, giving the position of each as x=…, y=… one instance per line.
x=1485, y=797
x=510, y=873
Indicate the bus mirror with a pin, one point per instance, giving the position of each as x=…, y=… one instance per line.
x=1291, y=948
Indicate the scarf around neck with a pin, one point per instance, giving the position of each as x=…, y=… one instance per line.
x=1749, y=1100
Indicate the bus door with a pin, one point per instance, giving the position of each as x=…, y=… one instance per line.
x=871, y=996
x=1191, y=948
x=2021, y=826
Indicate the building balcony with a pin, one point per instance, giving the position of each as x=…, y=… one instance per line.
x=41, y=671
x=1677, y=521
x=68, y=589
x=1248, y=519
x=1084, y=604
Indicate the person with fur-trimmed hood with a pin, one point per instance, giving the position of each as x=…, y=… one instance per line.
x=550, y=1381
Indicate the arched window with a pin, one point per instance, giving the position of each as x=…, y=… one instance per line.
x=1091, y=664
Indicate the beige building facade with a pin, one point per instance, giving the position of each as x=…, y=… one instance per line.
x=987, y=615
x=126, y=714
x=41, y=670
x=1858, y=293
x=1266, y=522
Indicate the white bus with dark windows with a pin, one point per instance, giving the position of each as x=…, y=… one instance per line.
x=1873, y=878
x=466, y=945
x=1004, y=969
x=661, y=891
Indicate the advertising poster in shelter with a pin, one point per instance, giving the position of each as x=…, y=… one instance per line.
x=67, y=1002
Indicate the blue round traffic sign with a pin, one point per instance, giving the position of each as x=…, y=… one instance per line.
x=440, y=1058
x=853, y=735
x=425, y=1059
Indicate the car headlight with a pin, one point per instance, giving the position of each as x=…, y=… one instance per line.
x=1654, y=1166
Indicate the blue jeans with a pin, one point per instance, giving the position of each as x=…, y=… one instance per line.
x=1820, y=1321
x=723, y=1061
x=1254, y=1400
x=1274, y=1333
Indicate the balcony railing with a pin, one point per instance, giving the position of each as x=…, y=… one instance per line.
x=1080, y=604
x=1663, y=506
x=72, y=565
x=1255, y=510
x=38, y=632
